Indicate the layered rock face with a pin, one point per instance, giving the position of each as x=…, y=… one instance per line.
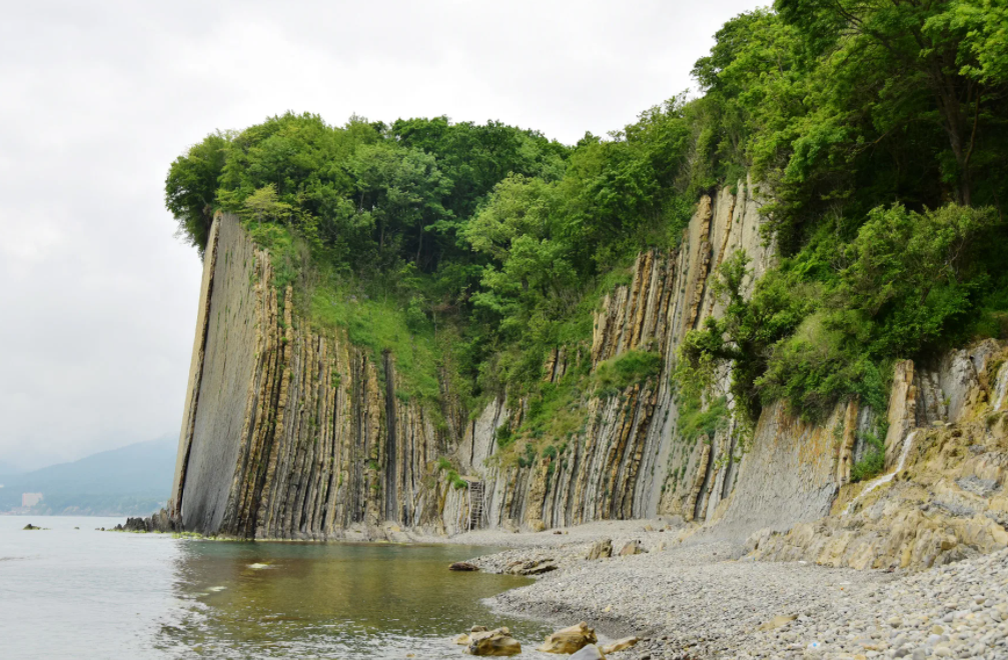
x=944, y=493
x=292, y=433
x=288, y=433
x=627, y=460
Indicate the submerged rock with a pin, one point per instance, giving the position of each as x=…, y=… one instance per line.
x=29, y=527
x=569, y=640
x=463, y=566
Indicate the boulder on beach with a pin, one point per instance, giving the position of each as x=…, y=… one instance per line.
x=619, y=645
x=569, y=640
x=532, y=566
x=497, y=642
x=463, y=566
x=590, y=652
x=632, y=548
x=600, y=549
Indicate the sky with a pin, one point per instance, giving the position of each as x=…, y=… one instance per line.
x=98, y=296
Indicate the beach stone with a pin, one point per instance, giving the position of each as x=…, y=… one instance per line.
x=619, y=645
x=590, y=652
x=778, y=621
x=601, y=549
x=497, y=642
x=532, y=567
x=631, y=548
x=569, y=640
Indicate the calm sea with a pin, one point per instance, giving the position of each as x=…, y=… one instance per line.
x=73, y=592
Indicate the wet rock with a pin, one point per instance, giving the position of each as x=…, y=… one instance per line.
x=619, y=645
x=30, y=527
x=463, y=566
x=497, y=642
x=569, y=640
x=601, y=549
x=134, y=525
x=462, y=640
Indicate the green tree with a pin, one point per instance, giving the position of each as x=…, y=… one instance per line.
x=191, y=188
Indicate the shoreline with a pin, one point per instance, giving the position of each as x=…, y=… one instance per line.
x=696, y=597
x=689, y=594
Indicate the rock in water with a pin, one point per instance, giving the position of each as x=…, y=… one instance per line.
x=463, y=566
x=590, y=652
x=601, y=549
x=462, y=640
x=619, y=645
x=569, y=640
x=494, y=643
x=30, y=526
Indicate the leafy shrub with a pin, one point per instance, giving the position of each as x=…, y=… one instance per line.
x=504, y=436
x=626, y=369
x=873, y=461
x=695, y=420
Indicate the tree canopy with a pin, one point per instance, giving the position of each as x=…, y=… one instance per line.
x=877, y=128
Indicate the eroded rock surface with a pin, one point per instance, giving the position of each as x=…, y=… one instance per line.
x=569, y=640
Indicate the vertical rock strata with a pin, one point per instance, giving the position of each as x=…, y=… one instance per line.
x=288, y=433
x=295, y=434
x=292, y=434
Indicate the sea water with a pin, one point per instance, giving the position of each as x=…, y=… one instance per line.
x=73, y=592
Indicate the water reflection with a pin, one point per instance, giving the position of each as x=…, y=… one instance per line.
x=335, y=601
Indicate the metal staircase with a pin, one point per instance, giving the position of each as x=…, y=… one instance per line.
x=477, y=510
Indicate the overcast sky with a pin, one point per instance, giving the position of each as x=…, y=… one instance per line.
x=98, y=298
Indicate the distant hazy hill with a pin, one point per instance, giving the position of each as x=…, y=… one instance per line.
x=131, y=480
x=6, y=470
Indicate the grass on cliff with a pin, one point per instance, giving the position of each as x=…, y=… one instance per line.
x=383, y=326
x=381, y=321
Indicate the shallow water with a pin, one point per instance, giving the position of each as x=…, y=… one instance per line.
x=67, y=593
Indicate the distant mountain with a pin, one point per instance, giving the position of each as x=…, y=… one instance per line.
x=7, y=470
x=131, y=480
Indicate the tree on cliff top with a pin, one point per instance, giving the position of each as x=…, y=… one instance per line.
x=867, y=124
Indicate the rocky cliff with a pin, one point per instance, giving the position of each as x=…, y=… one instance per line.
x=294, y=433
